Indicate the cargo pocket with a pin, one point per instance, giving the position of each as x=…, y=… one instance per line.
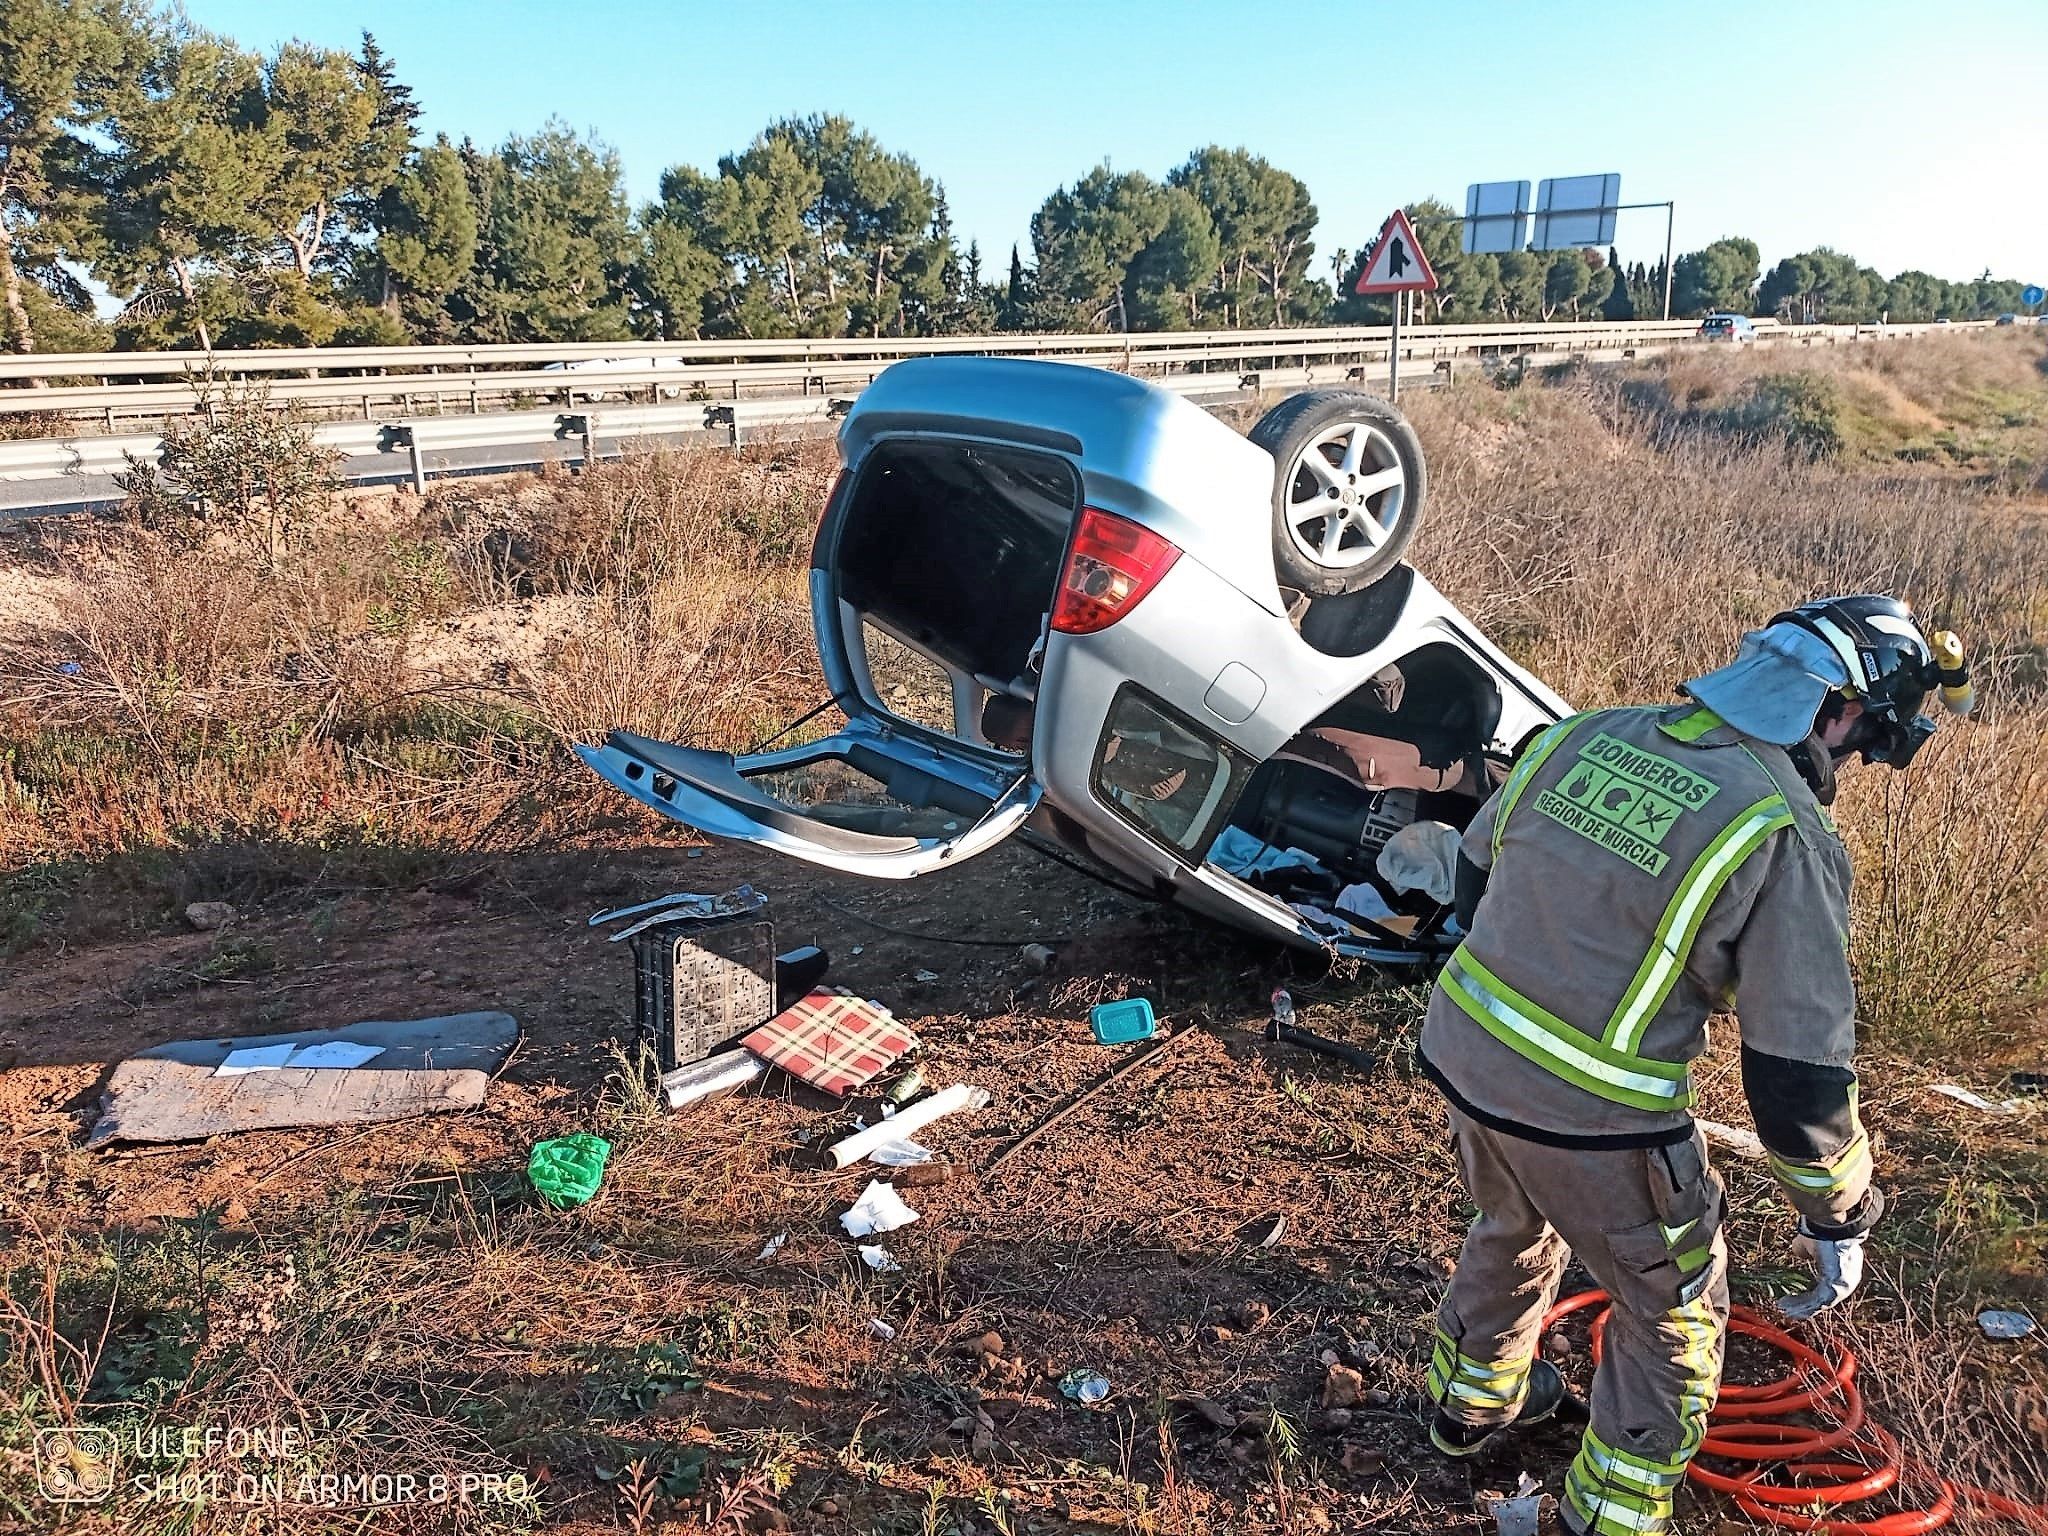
x=1663, y=1264
x=1647, y=1279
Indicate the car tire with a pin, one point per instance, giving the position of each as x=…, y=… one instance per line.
x=1372, y=478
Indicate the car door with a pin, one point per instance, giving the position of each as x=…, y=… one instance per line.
x=868, y=799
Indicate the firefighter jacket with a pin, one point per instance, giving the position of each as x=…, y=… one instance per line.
x=1646, y=867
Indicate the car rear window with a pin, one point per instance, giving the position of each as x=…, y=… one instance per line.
x=1720, y=323
x=1172, y=781
x=956, y=546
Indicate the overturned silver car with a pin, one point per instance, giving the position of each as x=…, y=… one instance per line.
x=1061, y=597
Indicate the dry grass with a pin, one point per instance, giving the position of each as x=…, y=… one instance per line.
x=1978, y=401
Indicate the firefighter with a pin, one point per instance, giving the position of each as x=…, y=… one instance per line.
x=1638, y=870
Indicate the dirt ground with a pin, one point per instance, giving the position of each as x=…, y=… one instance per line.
x=1126, y=1240
x=1118, y=1241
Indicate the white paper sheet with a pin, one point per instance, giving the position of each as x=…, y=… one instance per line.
x=254, y=1058
x=334, y=1053
x=879, y=1209
x=900, y=1154
x=877, y=1258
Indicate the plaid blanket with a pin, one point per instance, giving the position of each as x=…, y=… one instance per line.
x=832, y=1040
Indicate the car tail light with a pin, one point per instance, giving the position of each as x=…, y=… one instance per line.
x=1112, y=564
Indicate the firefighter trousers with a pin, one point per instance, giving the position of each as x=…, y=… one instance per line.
x=1646, y=1223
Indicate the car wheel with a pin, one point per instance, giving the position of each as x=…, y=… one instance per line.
x=1348, y=488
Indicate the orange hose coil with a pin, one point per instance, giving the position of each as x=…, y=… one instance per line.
x=1751, y=1424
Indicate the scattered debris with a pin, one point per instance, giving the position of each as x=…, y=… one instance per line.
x=1082, y=1385
x=901, y=1089
x=880, y=1329
x=879, y=1209
x=945, y=1102
x=1208, y=1410
x=254, y=1058
x=1519, y=1513
x=567, y=1169
x=206, y=916
x=990, y=1343
x=1263, y=1233
x=1362, y=1460
x=900, y=1154
x=335, y=1055
x=1040, y=957
x=2029, y=1082
x=1122, y=1022
x=1734, y=1138
x=1282, y=1030
x=1974, y=1100
x=1252, y=1314
x=774, y=1245
x=712, y=1076
x=832, y=1040
x=2005, y=1325
x=924, y=1175
x=1343, y=1387
x=1337, y=1419
x=680, y=904
x=797, y=972
x=177, y=1092
x=924, y=977
x=878, y=1259
x=1558, y=1347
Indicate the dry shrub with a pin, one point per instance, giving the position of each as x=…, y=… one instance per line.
x=1973, y=399
x=1951, y=926
x=635, y=523
x=709, y=657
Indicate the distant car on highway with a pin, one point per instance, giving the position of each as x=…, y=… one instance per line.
x=1943, y=320
x=2008, y=320
x=1193, y=657
x=601, y=365
x=1736, y=328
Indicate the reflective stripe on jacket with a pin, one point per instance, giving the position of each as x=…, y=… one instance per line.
x=1644, y=864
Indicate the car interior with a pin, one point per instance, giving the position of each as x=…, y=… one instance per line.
x=955, y=549
x=1409, y=747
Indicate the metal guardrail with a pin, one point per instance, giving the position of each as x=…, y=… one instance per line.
x=107, y=385
x=79, y=470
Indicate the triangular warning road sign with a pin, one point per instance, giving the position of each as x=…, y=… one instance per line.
x=1397, y=265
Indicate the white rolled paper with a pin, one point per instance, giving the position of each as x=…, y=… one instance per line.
x=914, y=1117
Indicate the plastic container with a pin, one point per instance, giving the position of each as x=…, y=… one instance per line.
x=701, y=982
x=1121, y=1022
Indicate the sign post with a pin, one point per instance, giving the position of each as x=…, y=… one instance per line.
x=1398, y=267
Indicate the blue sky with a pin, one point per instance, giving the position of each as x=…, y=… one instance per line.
x=1909, y=134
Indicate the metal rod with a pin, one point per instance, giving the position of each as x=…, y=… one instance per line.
x=1394, y=352
x=1670, y=217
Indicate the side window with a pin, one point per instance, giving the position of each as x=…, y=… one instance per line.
x=1170, y=780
